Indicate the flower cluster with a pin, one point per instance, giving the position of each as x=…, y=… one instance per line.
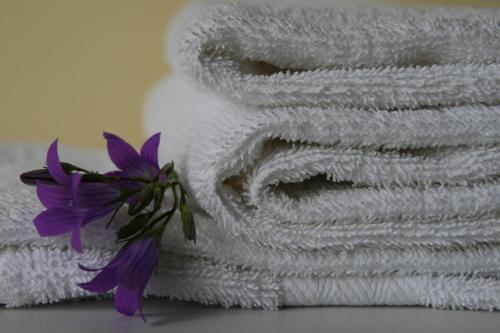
x=74, y=197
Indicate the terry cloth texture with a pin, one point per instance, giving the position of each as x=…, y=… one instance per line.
x=352, y=153
x=334, y=157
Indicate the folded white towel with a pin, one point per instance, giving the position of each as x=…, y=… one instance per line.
x=36, y=270
x=344, y=143
x=352, y=57
x=227, y=270
x=301, y=200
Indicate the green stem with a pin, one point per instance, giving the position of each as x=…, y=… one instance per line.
x=132, y=179
x=165, y=216
x=168, y=214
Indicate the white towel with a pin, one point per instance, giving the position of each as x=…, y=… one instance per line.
x=351, y=57
x=223, y=269
x=307, y=192
x=358, y=144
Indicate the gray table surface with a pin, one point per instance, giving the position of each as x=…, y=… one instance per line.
x=173, y=316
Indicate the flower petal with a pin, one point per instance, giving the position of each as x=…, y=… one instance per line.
x=132, y=198
x=124, y=184
x=162, y=178
x=138, y=268
x=149, y=150
x=116, y=261
x=57, y=221
x=102, y=282
x=93, y=214
x=123, y=155
x=53, y=195
x=54, y=165
x=76, y=178
x=93, y=195
x=127, y=301
x=76, y=241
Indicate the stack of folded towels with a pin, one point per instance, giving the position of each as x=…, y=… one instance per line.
x=335, y=156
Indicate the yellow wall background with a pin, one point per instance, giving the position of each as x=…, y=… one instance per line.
x=73, y=68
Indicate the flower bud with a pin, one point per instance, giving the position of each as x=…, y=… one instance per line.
x=144, y=198
x=167, y=168
x=31, y=177
x=133, y=227
x=188, y=226
x=158, y=193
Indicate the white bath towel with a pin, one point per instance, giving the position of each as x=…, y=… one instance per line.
x=335, y=157
x=351, y=57
x=310, y=132
x=227, y=270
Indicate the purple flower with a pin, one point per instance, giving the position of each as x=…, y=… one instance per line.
x=129, y=161
x=74, y=197
x=130, y=272
x=70, y=203
x=131, y=164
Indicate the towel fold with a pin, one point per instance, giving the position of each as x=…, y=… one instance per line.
x=317, y=178
x=344, y=143
x=333, y=156
x=350, y=57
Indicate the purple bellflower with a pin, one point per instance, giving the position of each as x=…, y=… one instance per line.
x=131, y=163
x=65, y=211
x=74, y=197
x=71, y=203
x=130, y=272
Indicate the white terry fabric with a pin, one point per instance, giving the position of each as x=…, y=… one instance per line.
x=351, y=57
x=36, y=270
x=307, y=191
x=349, y=147
x=227, y=270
